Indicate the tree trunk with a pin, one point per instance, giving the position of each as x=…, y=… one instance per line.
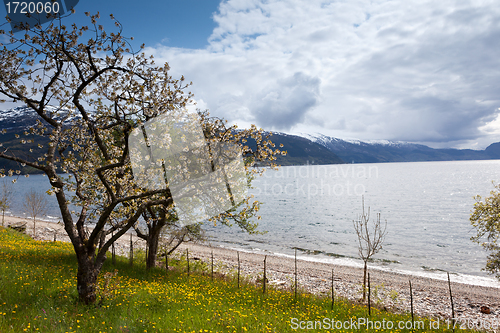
x=153, y=239
x=87, y=280
x=364, y=281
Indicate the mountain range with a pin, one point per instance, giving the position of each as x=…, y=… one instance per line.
x=355, y=151
x=301, y=149
x=322, y=149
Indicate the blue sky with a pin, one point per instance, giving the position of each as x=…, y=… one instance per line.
x=412, y=70
x=182, y=23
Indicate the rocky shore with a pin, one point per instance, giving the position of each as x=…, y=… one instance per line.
x=474, y=305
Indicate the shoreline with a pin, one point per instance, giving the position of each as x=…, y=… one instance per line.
x=468, y=279
x=437, y=274
x=390, y=289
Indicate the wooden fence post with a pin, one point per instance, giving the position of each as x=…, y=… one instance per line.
x=369, y=300
x=166, y=261
x=295, y=273
x=451, y=300
x=264, y=278
x=212, y=265
x=238, y=269
x=333, y=292
x=411, y=306
x=187, y=259
x=131, y=257
x=113, y=252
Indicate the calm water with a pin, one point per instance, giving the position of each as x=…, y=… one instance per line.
x=426, y=205
x=22, y=186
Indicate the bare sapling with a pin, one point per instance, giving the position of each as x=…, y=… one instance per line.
x=6, y=193
x=370, y=238
x=35, y=204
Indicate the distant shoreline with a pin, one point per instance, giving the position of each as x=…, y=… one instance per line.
x=431, y=296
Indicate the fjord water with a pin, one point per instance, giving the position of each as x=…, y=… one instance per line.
x=426, y=204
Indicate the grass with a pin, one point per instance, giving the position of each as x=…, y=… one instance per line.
x=38, y=293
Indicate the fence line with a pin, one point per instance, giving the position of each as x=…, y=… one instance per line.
x=296, y=277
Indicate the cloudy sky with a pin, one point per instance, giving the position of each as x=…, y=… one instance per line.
x=410, y=70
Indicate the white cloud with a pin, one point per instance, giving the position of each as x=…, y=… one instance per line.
x=423, y=71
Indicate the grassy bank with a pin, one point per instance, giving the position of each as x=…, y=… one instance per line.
x=38, y=293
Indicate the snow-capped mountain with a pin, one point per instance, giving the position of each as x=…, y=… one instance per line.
x=20, y=117
x=299, y=150
x=323, y=139
x=15, y=122
x=357, y=151
x=23, y=117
